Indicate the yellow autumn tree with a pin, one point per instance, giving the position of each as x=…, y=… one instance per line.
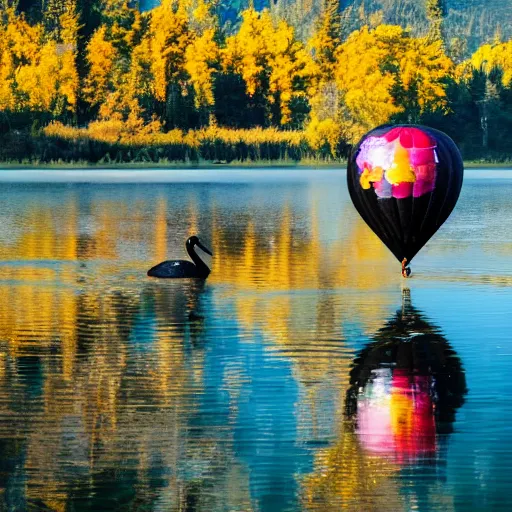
x=113, y=57
x=101, y=57
x=19, y=47
x=435, y=14
x=201, y=59
x=324, y=128
x=36, y=81
x=139, y=80
x=422, y=73
x=365, y=88
x=384, y=71
x=38, y=71
x=69, y=81
x=271, y=62
x=123, y=24
x=326, y=39
x=488, y=57
x=169, y=37
x=202, y=55
x=125, y=109
x=132, y=102
x=7, y=98
x=202, y=15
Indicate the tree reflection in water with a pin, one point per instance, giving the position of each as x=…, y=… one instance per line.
x=118, y=391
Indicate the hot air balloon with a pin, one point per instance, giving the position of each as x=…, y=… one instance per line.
x=404, y=181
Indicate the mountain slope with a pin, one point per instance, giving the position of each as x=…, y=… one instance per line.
x=473, y=21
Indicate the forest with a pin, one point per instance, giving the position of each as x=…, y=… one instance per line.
x=106, y=81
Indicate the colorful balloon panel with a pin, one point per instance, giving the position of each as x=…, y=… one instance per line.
x=398, y=164
x=405, y=181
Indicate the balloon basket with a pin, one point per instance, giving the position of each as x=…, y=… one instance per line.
x=406, y=271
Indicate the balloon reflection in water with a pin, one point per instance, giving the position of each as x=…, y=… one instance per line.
x=405, y=387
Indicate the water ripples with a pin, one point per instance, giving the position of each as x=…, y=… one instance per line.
x=300, y=376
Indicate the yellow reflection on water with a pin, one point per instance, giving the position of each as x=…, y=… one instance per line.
x=358, y=262
x=122, y=366
x=349, y=479
x=161, y=230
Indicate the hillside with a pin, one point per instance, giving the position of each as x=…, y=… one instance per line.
x=474, y=21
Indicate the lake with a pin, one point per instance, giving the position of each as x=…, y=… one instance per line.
x=304, y=375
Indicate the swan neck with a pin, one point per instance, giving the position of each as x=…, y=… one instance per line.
x=200, y=264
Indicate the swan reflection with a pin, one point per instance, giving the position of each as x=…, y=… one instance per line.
x=170, y=311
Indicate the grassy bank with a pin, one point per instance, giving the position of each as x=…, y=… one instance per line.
x=308, y=163
x=507, y=164
x=115, y=145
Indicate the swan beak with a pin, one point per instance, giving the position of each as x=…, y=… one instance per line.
x=203, y=248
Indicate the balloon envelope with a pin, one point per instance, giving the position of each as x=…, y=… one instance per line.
x=404, y=181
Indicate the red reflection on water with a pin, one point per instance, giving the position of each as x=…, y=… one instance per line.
x=396, y=415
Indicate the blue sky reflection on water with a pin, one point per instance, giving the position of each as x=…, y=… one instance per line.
x=118, y=391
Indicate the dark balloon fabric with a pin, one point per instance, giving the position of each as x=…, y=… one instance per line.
x=404, y=181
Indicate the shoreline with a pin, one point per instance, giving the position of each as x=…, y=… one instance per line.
x=202, y=165
x=180, y=166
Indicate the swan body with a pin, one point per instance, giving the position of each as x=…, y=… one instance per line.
x=176, y=269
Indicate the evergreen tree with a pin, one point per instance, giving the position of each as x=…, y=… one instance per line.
x=435, y=15
x=327, y=38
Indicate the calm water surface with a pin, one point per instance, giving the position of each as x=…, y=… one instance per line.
x=303, y=375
